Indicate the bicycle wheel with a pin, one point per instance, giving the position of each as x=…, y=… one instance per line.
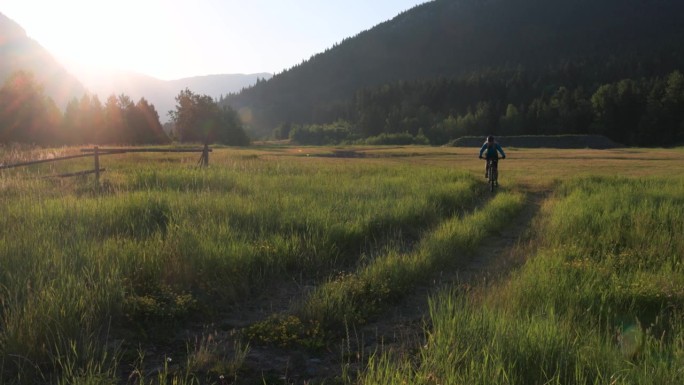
x=493, y=173
x=496, y=178
x=492, y=179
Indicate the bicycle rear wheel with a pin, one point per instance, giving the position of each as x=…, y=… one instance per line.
x=492, y=180
x=493, y=174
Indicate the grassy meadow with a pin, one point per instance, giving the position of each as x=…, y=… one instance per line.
x=92, y=275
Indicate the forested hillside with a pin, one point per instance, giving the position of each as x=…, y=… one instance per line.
x=515, y=66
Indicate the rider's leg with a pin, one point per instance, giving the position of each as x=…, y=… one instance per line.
x=487, y=169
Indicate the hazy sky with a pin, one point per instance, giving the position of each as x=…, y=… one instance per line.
x=170, y=39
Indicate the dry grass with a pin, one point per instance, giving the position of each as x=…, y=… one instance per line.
x=530, y=167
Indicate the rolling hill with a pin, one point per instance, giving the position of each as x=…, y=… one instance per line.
x=601, y=40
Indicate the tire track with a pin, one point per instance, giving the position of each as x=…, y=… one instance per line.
x=401, y=329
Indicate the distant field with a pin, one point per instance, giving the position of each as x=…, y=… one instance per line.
x=543, y=141
x=282, y=251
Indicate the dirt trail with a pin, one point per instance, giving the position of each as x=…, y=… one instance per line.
x=399, y=328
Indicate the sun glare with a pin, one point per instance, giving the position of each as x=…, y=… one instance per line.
x=170, y=39
x=127, y=35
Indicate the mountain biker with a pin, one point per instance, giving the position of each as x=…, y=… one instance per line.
x=491, y=147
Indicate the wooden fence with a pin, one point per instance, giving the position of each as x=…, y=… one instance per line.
x=97, y=152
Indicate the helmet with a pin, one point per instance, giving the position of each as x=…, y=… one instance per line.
x=490, y=138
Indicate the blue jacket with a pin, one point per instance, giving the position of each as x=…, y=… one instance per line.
x=491, y=151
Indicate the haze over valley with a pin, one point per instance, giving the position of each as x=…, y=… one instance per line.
x=436, y=72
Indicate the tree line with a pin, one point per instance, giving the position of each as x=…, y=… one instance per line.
x=648, y=111
x=28, y=115
x=491, y=53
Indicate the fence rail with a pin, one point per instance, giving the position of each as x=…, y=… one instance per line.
x=96, y=152
x=103, y=151
x=32, y=162
x=70, y=174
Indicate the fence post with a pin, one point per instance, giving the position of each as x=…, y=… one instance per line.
x=97, y=164
x=205, y=156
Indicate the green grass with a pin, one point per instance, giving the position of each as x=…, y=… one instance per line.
x=159, y=243
x=352, y=298
x=623, y=238
x=89, y=270
x=601, y=301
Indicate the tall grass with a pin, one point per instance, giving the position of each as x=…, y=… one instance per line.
x=474, y=344
x=615, y=246
x=600, y=302
x=157, y=243
x=352, y=298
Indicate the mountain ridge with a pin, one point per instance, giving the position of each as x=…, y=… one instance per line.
x=19, y=52
x=162, y=93
x=63, y=83
x=447, y=38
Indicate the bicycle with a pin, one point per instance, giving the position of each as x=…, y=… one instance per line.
x=492, y=173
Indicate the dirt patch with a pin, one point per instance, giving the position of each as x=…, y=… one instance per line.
x=598, y=142
x=342, y=154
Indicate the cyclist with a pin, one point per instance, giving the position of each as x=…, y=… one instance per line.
x=491, y=147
